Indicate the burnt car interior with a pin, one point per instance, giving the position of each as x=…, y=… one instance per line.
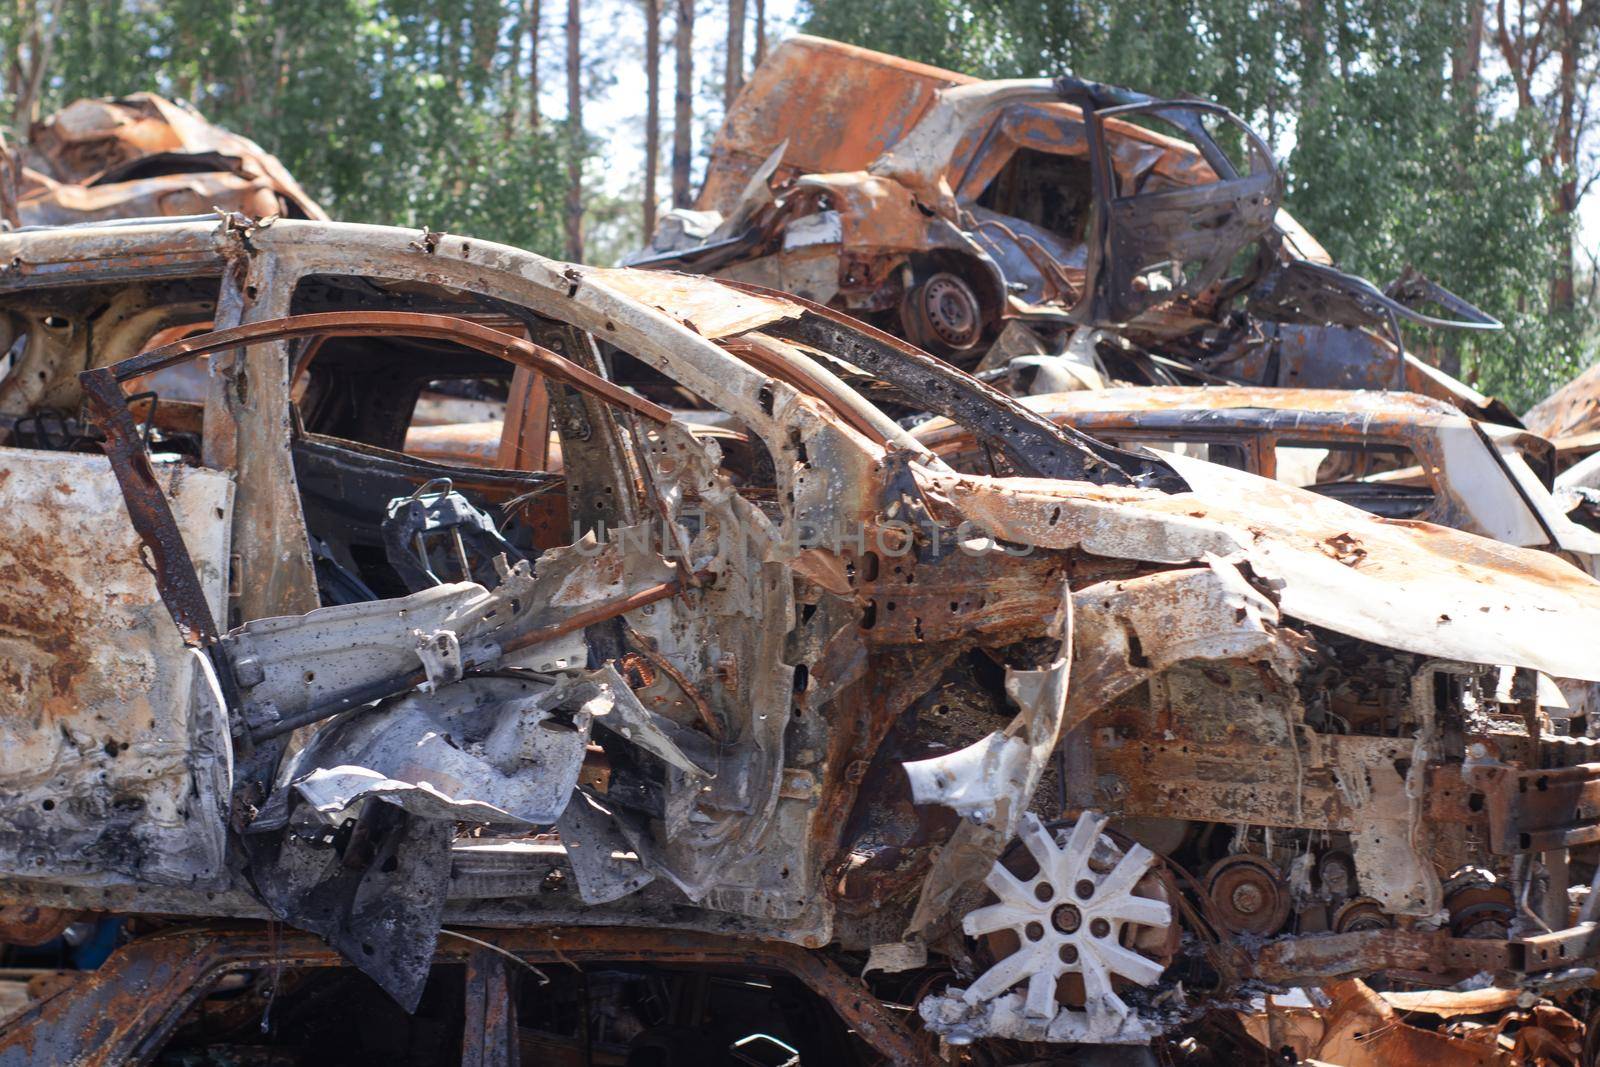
x=1044, y=189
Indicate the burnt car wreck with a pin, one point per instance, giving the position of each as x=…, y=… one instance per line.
x=1013, y=225
x=970, y=766
x=139, y=156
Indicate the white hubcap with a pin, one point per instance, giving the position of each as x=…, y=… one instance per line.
x=1069, y=918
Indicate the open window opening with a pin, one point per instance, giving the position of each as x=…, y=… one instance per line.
x=1233, y=454
x=1386, y=480
x=47, y=338
x=385, y=519
x=1044, y=189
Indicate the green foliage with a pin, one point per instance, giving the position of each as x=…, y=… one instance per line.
x=1387, y=164
x=946, y=33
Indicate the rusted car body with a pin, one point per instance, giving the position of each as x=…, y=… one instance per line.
x=1069, y=756
x=1397, y=455
x=1571, y=412
x=142, y=156
x=987, y=220
x=1570, y=419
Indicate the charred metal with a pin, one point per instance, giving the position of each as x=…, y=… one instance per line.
x=418, y=627
x=1039, y=232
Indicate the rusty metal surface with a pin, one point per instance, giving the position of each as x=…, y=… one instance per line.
x=708, y=309
x=1362, y=1030
x=810, y=78
x=1348, y=1023
x=1395, y=454
x=1243, y=660
x=1299, y=534
x=25, y=924
x=247, y=429
x=1298, y=961
x=1300, y=413
x=867, y=208
x=142, y=156
x=1229, y=782
x=472, y=443
x=1328, y=581
x=1388, y=405
x=1534, y=810
x=1571, y=411
x=174, y=570
x=1032, y=443
x=489, y=1016
x=122, y=1012
x=102, y=710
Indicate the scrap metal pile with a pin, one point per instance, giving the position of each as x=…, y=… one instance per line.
x=412, y=647
x=140, y=156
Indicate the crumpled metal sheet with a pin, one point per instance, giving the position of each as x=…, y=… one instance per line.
x=382, y=909
x=1412, y=586
x=1205, y=613
x=807, y=93
x=370, y=807
x=1572, y=410
x=709, y=309
x=994, y=810
x=143, y=156
x=688, y=752
x=602, y=860
x=971, y=780
x=487, y=751
x=287, y=664
x=1006, y=1017
x=1346, y=1022
x=1450, y=1003
x=1402, y=583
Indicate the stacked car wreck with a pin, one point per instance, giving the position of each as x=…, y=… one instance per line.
x=141, y=155
x=990, y=738
x=1129, y=237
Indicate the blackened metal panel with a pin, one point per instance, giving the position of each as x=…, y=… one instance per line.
x=113, y=753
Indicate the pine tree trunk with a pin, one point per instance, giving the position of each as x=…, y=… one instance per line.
x=1467, y=62
x=761, y=32
x=8, y=185
x=513, y=74
x=652, y=117
x=575, y=146
x=533, y=63
x=28, y=83
x=1562, y=288
x=682, y=106
x=734, y=79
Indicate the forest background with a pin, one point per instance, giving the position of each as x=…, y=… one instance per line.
x=1455, y=136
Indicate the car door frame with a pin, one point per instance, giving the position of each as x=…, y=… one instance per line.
x=1208, y=223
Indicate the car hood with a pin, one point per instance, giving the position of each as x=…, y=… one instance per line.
x=1410, y=585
